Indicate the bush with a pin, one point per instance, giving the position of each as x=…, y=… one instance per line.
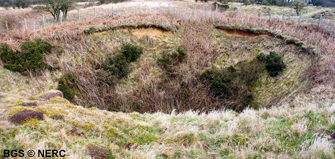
x=273, y=63
x=118, y=66
x=232, y=84
x=30, y=59
x=246, y=2
x=21, y=4
x=167, y=61
x=68, y=85
x=298, y=5
x=6, y=5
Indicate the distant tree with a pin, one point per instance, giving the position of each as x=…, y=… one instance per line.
x=6, y=5
x=54, y=7
x=20, y=4
x=246, y=2
x=298, y=5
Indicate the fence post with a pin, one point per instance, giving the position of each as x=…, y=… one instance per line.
x=193, y=9
x=43, y=20
x=78, y=14
x=6, y=23
x=320, y=20
x=169, y=8
x=113, y=12
x=282, y=18
x=300, y=18
x=216, y=7
x=270, y=15
x=61, y=17
x=95, y=12
x=25, y=23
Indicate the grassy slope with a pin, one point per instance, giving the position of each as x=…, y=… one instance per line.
x=295, y=130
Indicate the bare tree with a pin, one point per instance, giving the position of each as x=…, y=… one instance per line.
x=298, y=5
x=54, y=7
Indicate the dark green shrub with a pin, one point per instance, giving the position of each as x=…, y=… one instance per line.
x=261, y=57
x=118, y=66
x=232, y=84
x=30, y=59
x=273, y=63
x=68, y=85
x=167, y=61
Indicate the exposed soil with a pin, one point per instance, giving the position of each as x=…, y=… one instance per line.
x=242, y=33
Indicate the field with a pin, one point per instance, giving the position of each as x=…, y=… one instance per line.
x=171, y=79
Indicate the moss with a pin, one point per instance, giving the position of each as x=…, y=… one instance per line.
x=17, y=102
x=31, y=59
x=18, y=109
x=59, y=100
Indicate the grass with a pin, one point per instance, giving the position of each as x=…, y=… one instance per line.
x=286, y=131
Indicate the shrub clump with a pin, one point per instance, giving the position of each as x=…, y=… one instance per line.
x=118, y=66
x=68, y=85
x=30, y=59
x=274, y=63
x=232, y=84
x=167, y=61
x=21, y=116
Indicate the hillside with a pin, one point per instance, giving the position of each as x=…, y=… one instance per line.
x=169, y=80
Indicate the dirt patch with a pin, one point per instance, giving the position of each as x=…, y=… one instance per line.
x=151, y=32
x=254, y=33
x=241, y=33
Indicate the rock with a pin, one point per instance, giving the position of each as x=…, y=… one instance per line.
x=57, y=117
x=20, y=116
x=29, y=104
x=51, y=94
x=97, y=152
x=77, y=132
x=1, y=96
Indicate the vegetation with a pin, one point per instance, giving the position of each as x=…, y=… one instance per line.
x=298, y=5
x=184, y=115
x=233, y=84
x=54, y=7
x=6, y=5
x=118, y=65
x=21, y=4
x=68, y=85
x=273, y=63
x=167, y=61
x=13, y=22
x=111, y=1
x=31, y=59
